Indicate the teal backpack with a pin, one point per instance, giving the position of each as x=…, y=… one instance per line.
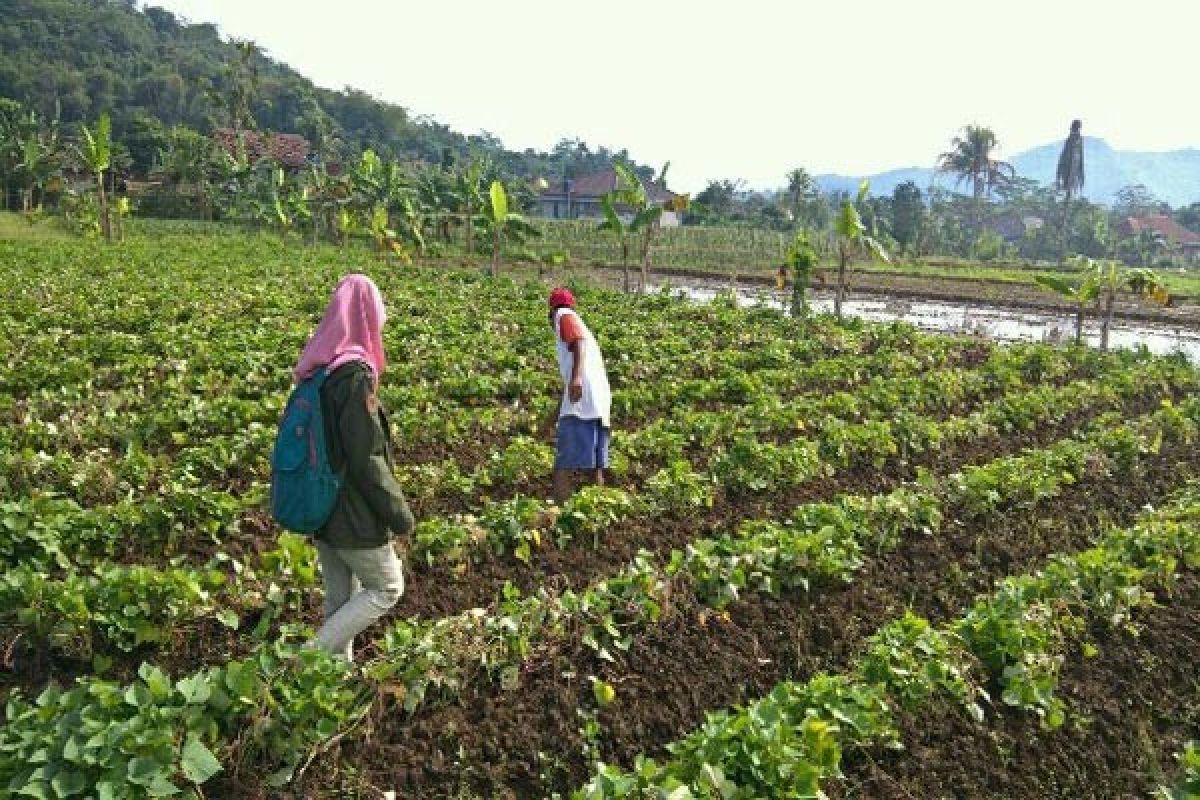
x=303, y=487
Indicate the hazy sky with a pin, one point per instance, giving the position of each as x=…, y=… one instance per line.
x=748, y=89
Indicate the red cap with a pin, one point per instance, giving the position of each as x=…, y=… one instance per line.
x=562, y=297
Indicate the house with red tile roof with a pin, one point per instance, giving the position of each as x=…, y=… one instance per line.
x=580, y=198
x=290, y=149
x=1186, y=242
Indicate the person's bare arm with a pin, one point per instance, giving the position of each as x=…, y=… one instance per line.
x=575, y=389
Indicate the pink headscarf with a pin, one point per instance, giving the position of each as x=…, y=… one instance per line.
x=351, y=330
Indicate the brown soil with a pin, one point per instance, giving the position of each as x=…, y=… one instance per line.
x=527, y=742
x=440, y=590
x=1132, y=707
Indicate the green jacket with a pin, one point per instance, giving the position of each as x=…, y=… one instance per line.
x=370, y=508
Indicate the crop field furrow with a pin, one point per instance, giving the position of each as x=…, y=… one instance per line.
x=1133, y=698
x=453, y=587
x=248, y=675
x=179, y=427
x=231, y=508
x=758, y=641
x=225, y=444
x=74, y=616
x=799, y=510
x=81, y=611
x=1005, y=655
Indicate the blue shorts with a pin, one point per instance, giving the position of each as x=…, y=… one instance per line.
x=581, y=444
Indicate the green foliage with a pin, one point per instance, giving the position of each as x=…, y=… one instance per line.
x=96, y=149
x=748, y=466
x=593, y=510
x=802, y=258
x=1188, y=786
x=156, y=737
x=143, y=436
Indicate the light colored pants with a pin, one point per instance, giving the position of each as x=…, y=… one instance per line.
x=360, y=587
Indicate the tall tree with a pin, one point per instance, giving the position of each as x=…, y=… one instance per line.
x=1068, y=178
x=241, y=86
x=718, y=197
x=1135, y=200
x=908, y=214
x=970, y=158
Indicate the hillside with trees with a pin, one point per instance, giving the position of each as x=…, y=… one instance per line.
x=73, y=60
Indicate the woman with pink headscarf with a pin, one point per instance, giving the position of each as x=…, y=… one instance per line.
x=363, y=576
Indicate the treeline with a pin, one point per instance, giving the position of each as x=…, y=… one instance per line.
x=73, y=60
x=1016, y=218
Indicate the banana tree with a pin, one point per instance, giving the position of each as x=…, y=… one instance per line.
x=1113, y=277
x=382, y=183
x=1081, y=294
x=36, y=167
x=502, y=224
x=234, y=182
x=802, y=258
x=647, y=216
x=328, y=196
x=468, y=192
x=612, y=222
x=435, y=194
x=95, y=150
x=121, y=208
x=852, y=237
x=188, y=163
x=1099, y=282
x=387, y=243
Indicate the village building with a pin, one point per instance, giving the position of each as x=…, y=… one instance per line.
x=1178, y=238
x=291, y=150
x=1012, y=227
x=580, y=198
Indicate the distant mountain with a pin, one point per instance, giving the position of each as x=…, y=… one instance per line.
x=1172, y=176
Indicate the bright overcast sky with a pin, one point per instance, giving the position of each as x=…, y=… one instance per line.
x=749, y=89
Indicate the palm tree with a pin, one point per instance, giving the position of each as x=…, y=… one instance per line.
x=970, y=158
x=1069, y=176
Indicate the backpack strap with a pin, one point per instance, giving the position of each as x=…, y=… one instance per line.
x=319, y=377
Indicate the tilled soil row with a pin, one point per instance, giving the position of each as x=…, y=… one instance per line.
x=528, y=742
x=442, y=589
x=1131, y=707
x=476, y=449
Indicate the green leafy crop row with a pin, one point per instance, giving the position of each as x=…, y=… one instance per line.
x=1007, y=649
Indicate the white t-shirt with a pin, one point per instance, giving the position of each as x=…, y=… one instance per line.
x=596, y=401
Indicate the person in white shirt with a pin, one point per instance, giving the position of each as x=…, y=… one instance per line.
x=583, y=422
